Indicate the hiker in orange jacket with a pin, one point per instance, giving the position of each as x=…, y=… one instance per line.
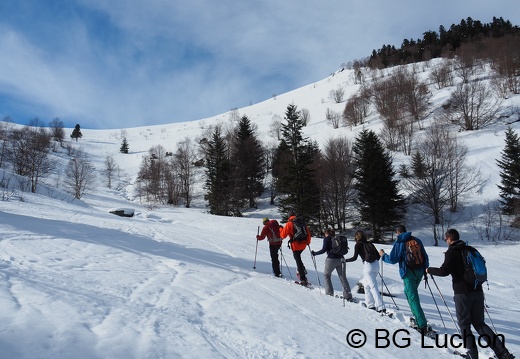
x=297, y=247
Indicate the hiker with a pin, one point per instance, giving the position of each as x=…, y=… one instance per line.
x=333, y=261
x=469, y=300
x=373, y=299
x=411, y=274
x=297, y=247
x=271, y=230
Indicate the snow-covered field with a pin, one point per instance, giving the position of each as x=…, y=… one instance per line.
x=79, y=282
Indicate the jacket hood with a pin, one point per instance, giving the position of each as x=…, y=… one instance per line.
x=403, y=237
x=458, y=245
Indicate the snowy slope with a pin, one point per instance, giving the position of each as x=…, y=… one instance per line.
x=79, y=282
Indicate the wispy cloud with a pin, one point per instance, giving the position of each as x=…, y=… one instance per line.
x=121, y=63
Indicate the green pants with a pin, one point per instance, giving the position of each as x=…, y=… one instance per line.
x=411, y=280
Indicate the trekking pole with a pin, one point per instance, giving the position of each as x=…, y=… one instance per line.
x=446, y=304
x=315, y=267
x=389, y=294
x=382, y=264
x=256, y=250
x=283, y=258
x=435, y=301
x=493, y=324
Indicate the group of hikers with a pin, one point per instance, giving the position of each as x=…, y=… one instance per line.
x=409, y=252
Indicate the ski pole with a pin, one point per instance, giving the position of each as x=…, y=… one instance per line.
x=390, y=294
x=435, y=301
x=382, y=265
x=493, y=324
x=283, y=258
x=446, y=304
x=256, y=250
x=315, y=267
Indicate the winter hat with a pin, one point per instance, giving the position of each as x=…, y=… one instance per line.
x=265, y=220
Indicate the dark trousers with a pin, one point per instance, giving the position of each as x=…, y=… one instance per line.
x=273, y=249
x=299, y=264
x=470, y=311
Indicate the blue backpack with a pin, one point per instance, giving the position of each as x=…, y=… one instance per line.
x=475, y=271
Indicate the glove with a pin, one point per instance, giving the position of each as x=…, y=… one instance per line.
x=257, y=238
x=313, y=253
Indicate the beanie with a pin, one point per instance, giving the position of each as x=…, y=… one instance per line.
x=265, y=220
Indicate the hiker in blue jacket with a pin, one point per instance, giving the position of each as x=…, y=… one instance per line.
x=333, y=261
x=411, y=277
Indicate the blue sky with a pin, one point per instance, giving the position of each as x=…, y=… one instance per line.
x=128, y=63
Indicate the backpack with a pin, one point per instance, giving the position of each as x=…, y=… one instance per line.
x=475, y=271
x=371, y=253
x=414, y=257
x=274, y=227
x=339, y=245
x=300, y=229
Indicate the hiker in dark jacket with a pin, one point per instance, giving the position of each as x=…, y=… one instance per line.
x=373, y=299
x=411, y=277
x=333, y=261
x=469, y=300
x=271, y=230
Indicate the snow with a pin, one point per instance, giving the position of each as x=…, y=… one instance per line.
x=79, y=282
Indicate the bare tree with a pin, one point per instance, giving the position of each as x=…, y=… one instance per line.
x=6, y=130
x=80, y=175
x=336, y=178
x=492, y=225
x=356, y=110
x=275, y=127
x=110, y=169
x=305, y=115
x=183, y=162
x=473, y=105
x=333, y=117
x=30, y=148
x=337, y=95
x=441, y=74
x=57, y=130
x=439, y=175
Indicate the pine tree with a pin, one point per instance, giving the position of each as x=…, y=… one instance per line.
x=218, y=171
x=510, y=174
x=294, y=169
x=378, y=199
x=124, y=146
x=76, y=133
x=249, y=162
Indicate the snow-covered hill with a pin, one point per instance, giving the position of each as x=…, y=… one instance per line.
x=79, y=282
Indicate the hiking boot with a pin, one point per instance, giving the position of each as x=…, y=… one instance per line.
x=304, y=283
x=427, y=332
x=413, y=323
x=505, y=355
x=382, y=311
x=279, y=275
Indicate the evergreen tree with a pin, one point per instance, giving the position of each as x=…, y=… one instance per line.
x=294, y=169
x=124, y=146
x=510, y=174
x=218, y=171
x=249, y=162
x=76, y=133
x=379, y=202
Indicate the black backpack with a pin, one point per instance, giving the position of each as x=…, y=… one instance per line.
x=300, y=229
x=339, y=245
x=371, y=253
